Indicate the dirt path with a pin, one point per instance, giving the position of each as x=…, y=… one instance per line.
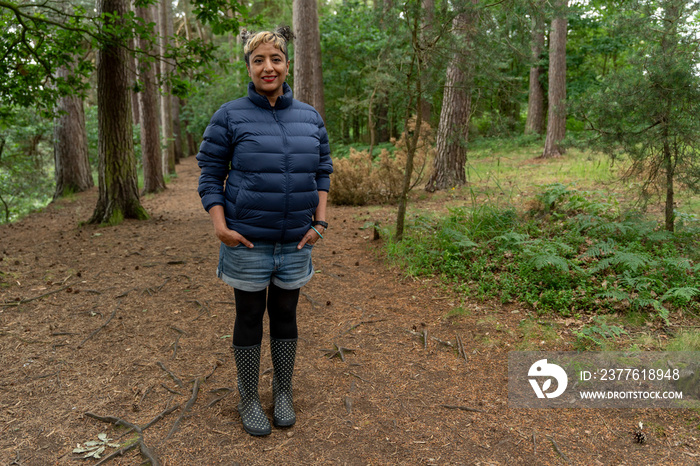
x=121, y=321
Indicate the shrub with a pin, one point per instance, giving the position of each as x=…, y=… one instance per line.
x=360, y=179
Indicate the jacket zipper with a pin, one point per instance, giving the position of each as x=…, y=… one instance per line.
x=286, y=174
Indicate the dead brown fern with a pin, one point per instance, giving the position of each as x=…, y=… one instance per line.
x=359, y=179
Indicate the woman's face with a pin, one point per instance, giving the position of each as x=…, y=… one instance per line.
x=268, y=69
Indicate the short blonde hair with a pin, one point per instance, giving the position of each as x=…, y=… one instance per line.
x=279, y=38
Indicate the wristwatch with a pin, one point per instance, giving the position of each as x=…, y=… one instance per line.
x=320, y=223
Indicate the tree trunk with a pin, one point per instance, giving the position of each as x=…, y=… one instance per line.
x=453, y=129
x=556, y=113
x=118, y=179
x=670, y=214
x=535, y=102
x=308, y=77
x=73, y=173
x=426, y=108
x=166, y=113
x=177, y=130
x=153, y=180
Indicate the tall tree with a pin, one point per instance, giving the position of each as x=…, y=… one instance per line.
x=535, y=102
x=73, y=173
x=118, y=181
x=308, y=77
x=556, y=112
x=165, y=24
x=649, y=110
x=453, y=129
x=153, y=180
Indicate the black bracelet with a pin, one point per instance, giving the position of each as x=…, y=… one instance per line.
x=321, y=223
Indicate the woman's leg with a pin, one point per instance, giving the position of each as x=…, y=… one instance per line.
x=247, y=335
x=250, y=309
x=282, y=310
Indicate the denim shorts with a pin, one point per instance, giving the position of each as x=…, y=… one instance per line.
x=253, y=269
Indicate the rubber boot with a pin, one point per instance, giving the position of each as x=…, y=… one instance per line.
x=283, y=354
x=248, y=369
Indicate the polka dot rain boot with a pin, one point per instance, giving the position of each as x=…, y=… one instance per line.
x=283, y=353
x=248, y=369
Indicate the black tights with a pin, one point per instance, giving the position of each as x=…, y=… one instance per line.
x=250, y=308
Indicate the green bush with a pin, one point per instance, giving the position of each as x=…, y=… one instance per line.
x=573, y=253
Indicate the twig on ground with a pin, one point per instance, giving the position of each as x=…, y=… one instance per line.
x=337, y=351
x=226, y=391
x=364, y=380
x=205, y=309
x=207, y=377
x=96, y=331
x=124, y=294
x=460, y=348
x=313, y=302
x=28, y=300
x=464, y=408
x=174, y=392
x=360, y=323
x=534, y=443
x=145, y=451
x=558, y=450
x=185, y=410
x=172, y=376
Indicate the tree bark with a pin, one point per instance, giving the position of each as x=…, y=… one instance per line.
x=166, y=112
x=153, y=180
x=535, y=102
x=118, y=181
x=73, y=173
x=453, y=129
x=308, y=76
x=556, y=113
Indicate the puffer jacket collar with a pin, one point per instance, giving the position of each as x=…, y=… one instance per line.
x=283, y=101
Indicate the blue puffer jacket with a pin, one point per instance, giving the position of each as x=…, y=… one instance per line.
x=274, y=160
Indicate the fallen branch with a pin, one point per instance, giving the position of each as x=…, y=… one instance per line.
x=185, y=410
x=172, y=376
x=96, y=331
x=559, y=452
x=146, y=452
x=28, y=300
x=464, y=408
x=460, y=348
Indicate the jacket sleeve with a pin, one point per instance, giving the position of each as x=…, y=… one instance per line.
x=325, y=166
x=214, y=158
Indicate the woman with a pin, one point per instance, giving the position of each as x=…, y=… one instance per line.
x=266, y=168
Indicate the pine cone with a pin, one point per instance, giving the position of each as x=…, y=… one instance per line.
x=639, y=436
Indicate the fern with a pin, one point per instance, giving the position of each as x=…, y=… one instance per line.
x=684, y=294
x=604, y=248
x=614, y=294
x=510, y=239
x=541, y=261
x=625, y=261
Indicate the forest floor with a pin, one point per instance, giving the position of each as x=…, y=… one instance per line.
x=130, y=322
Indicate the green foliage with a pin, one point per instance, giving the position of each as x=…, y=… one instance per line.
x=647, y=111
x=26, y=165
x=598, y=334
x=575, y=253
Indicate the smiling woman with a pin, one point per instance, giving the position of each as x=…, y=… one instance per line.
x=268, y=64
x=266, y=166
